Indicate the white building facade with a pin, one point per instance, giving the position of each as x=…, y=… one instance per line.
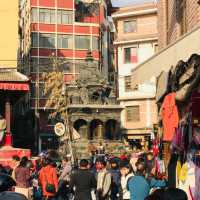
x=135, y=41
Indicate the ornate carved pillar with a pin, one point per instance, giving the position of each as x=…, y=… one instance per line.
x=8, y=136
x=100, y=130
x=83, y=131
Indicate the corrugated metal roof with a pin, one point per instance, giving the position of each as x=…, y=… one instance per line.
x=10, y=75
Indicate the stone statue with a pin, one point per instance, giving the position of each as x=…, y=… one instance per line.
x=84, y=95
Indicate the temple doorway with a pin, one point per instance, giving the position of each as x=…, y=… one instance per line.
x=111, y=129
x=82, y=127
x=96, y=129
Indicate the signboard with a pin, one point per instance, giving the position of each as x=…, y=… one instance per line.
x=59, y=129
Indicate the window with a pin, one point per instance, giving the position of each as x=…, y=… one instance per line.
x=65, y=16
x=181, y=15
x=130, y=26
x=130, y=55
x=65, y=42
x=133, y=113
x=48, y=16
x=47, y=40
x=65, y=65
x=44, y=16
x=34, y=15
x=127, y=80
x=34, y=39
x=33, y=90
x=82, y=42
x=95, y=43
x=41, y=90
x=46, y=64
x=34, y=64
x=52, y=17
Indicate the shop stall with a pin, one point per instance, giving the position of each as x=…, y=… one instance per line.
x=178, y=98
x=13, y=87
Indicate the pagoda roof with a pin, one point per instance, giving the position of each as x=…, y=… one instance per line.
x=12, y=75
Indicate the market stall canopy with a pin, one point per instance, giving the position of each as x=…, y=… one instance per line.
x=10, y=79
x=163, y=60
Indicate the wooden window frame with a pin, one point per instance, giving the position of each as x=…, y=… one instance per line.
x=134, y=117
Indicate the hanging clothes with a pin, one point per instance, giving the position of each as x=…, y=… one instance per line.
x=187, y=179
x=178, y=171
x=172, y=170
x=170, y=116
x=178, y=140
x=188, y=132
x=197, y=183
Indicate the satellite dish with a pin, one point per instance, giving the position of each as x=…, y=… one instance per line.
x=59, y=129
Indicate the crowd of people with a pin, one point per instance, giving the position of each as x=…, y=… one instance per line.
x=98, y=178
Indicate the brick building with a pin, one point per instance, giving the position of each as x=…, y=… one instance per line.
x=136, y=39
x=178, y=39
x=175, y=18
x=66, y=31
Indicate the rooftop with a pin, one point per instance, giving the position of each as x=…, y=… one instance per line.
x=135, y=10
x=11, y=75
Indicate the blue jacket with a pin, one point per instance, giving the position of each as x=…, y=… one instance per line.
x=139, y=187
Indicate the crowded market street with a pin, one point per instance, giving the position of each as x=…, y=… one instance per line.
x=100, y=100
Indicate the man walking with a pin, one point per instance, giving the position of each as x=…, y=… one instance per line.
x=64, y=180
x=103, y=182
x=83, y=181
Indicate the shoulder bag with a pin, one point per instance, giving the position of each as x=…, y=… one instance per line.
x=49, y=187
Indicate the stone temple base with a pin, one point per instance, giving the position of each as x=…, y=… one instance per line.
x=83, y=147
x=7, y=152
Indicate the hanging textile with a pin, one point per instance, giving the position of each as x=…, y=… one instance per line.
x=172, y=170
x=170, y=116
x=187, y=179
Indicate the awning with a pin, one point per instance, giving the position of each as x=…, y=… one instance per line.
x=137, y=133
x=136, y=137
x=182, y=49
x=14, y=86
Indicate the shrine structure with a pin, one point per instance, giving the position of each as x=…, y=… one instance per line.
x=13, y=86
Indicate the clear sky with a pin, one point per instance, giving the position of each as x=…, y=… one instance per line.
x=122, y=3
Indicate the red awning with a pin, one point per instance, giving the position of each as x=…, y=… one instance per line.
x=14, y=86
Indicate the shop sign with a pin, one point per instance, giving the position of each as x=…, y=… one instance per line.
x=59, y=129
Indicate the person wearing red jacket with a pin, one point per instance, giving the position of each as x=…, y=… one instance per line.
x=48, y=175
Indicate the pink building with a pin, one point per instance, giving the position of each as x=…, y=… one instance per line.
x=136, y=39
